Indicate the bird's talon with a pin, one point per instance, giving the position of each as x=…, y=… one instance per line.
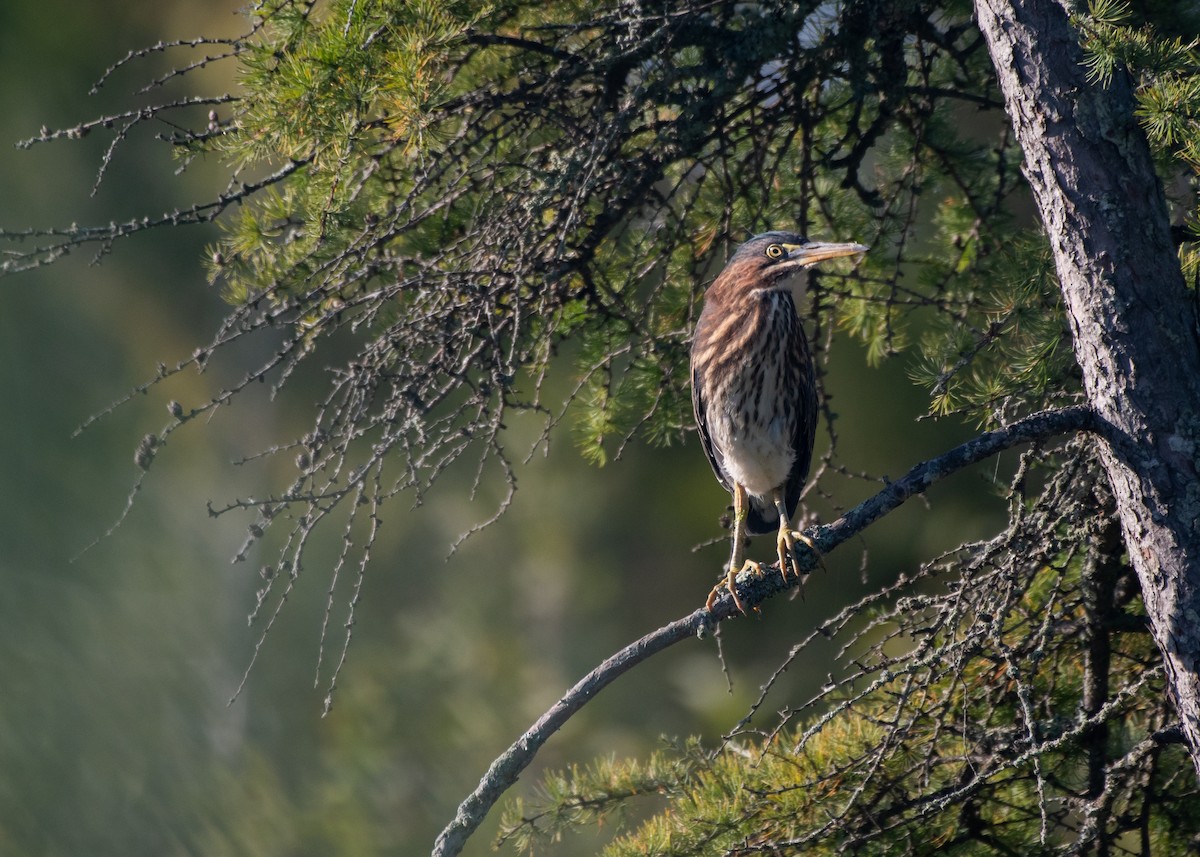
x=811, y=545
x=730, y=584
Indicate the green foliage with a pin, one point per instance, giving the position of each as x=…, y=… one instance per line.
x=346, y=116
x=1165, y=68
x=1012, y=346
x=599, y=793
x=1160, y=48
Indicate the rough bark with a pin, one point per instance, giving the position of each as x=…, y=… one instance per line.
x=1132, y=318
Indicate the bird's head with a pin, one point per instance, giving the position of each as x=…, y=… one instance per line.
x=766, y=259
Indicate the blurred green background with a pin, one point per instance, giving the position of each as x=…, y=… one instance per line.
x=116, y=736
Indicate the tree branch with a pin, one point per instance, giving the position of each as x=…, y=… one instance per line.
x=753, y=590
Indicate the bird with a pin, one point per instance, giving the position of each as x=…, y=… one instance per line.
x=754, y=392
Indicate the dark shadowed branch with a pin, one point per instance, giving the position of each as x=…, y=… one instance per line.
x=753, y=590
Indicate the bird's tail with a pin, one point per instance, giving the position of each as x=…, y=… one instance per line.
x=762, y=516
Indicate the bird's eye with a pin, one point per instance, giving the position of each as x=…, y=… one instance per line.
x=774, y=251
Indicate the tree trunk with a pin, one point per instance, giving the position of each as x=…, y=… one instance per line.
x=1133, y=320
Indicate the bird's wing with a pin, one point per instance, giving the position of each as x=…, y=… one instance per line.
x=698, y=407
x=803, y=435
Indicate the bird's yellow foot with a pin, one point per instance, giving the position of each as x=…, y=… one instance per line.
x=787, y=551
x=730, y=583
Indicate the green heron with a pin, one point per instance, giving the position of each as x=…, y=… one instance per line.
x=754, y=391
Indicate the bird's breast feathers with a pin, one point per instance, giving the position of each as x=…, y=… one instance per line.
x=752, y=419
x=759, y=460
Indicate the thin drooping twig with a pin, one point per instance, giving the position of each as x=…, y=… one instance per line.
x=753, y=590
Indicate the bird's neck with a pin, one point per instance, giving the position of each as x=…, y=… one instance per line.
x=736, y=299
x=736, y=317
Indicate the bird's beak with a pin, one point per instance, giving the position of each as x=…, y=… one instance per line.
x=810, y=254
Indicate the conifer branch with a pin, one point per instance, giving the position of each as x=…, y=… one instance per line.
x=753, y=590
